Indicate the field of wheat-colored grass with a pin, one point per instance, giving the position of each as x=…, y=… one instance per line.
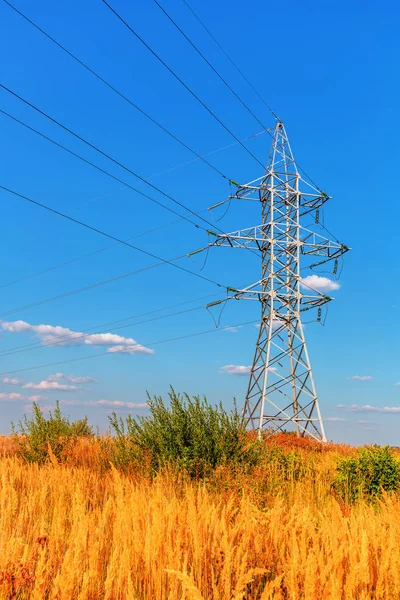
x=78, y=531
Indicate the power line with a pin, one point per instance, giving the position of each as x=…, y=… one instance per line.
x=107, y=172
x=87, y=255
x=209, y=64
x=142, y=111
x=181, y=337
x=115, y=90
x=103, y=282
x=154, y=187
x=246, y=79
x=83, y=256
x=170, y=169
x=77, y=336
x=230, y=60
x=111, y=237
x=86, y=288
x=181, y=81
x=88, y=162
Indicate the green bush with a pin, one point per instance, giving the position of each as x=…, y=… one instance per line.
x=34, y=436
x=189, y=434
x=374, y=469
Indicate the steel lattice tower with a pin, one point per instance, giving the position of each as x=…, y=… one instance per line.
x=281, y=392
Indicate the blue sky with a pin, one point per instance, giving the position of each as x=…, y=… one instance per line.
x=330, y=72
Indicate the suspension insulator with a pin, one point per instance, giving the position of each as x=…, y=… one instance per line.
x=319, y=315
x=317, y=216
x=335, y=267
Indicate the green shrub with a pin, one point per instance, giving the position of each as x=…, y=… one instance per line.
x=189, y=434
x=34, y=436
x=373, y=470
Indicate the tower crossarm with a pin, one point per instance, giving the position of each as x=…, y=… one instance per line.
x=284, y=298
x=318, y=245
x=286, y=241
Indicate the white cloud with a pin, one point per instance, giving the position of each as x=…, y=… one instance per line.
x=70, y=378
x=57, y=381
x=368, y=408
x=334, y=419
x=233, y=329
x=319, y=284
x=43, y=407
x=50, y=385
x=66, y=337
x=105, y=403
x=131, y=349
x=398, y=384
x=235, y=370
x=275, y=324
x=15, y=396
x=240, y=370
x=12, y=396
x=361, y=377
x=12, y=381
x=120, y=404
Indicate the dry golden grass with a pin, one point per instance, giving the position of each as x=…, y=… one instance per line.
x=79, y=532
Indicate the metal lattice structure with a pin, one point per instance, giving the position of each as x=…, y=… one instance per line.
x=281, y=392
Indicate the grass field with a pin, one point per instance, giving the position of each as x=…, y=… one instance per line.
x=84, y=530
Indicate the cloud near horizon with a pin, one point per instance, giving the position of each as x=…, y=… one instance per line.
x=12, y=381
x=50, y=385
x=70, y=378
x=16, y=396
x=62, y=336
x=57, y=382
x=361, y=377
x=105, y=403
x=240, y=369
x=368, y=408
x=235, y=369
x=115, y=404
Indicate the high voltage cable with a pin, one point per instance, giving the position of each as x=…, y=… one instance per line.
x=245, y=78
x=142, y=111
x=111, y=237
x=170, y=169
x=82, y=335
x=87, y=255
x=107, y=172
x=154, y=187
x=230, y=60
x=208, y=63
x=86, y=287
x=115, y=90
x=170, y=70
x=124, y=242
x=192, y=160
x=88, y=162
x=181, y=337
x=72, y=260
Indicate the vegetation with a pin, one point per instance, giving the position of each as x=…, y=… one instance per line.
x=369, y=474
x=40, y=439
x=189, y=434
x=166, y=509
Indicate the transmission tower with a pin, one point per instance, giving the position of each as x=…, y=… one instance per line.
x=281, y=393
